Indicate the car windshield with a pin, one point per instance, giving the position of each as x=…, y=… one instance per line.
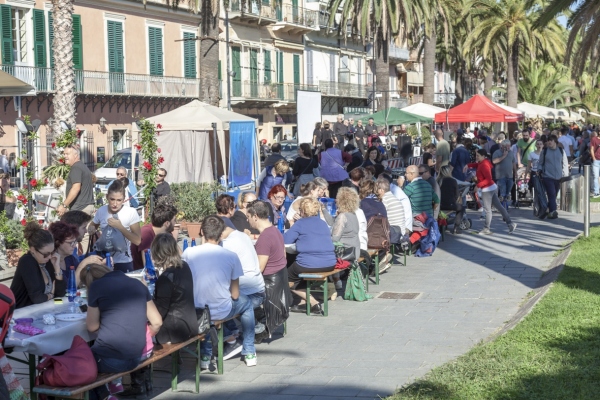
x=289, y=147
x=121, y=160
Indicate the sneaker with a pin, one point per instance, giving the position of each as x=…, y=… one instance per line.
x=553, y=215
x=482, y=217
x=231, y=350
x=512, y=227
x=387, y=259
x=250, y=360
x=480, y=209
x=384, y=267
x=338, y=285
x=115, y=387
x=204, y=362
x=485, y=231
x=597, y=195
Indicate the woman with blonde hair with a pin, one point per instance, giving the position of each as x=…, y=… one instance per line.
x=315, y=249
x=272, y=176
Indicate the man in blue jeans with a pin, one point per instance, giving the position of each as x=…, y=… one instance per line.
x=553, y=166
x=506, y=168
x=216, y=272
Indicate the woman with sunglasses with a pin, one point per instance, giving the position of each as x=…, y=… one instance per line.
x=37, y=279
x=65, y=241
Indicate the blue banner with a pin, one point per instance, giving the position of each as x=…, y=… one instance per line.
x=241, y=152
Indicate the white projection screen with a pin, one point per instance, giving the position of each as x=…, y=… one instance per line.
x=308, y=106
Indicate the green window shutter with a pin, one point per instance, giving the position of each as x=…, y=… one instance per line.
x=280, y=67
x=219, y=73
x=39, y=38
x=155, y=51
x=77, y=43
x=237, y=68
x=51, y=37
x=296, y=69
x=6, y=46
x=189, y=54
x=267, y=56
x=114, y=33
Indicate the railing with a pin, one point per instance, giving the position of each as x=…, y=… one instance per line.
x=444, y=98
x=339, y=89
x=268, y=91
x=394, y=52
x=252, y=8
x=109, y=83
x=298, y=16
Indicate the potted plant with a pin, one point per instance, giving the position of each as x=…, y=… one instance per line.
x=11, y=233
x=195, y=201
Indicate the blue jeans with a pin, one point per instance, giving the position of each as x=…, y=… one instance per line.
x=243, y=306
x=552, y=188
x=257, y=299
x=111, y=365
x=595, y=174
x=504, y=187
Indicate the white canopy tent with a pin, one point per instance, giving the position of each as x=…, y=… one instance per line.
x=186, y=139
x=12, y=86
x=512, y=110
x=537, y=111
x=424, y=110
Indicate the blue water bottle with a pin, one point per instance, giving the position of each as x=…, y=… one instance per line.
x=280, y=224
x=108, y=261
x=185, y=244
x=76, y=253
x=72, y=285
x=150, y=275
x=193, y=242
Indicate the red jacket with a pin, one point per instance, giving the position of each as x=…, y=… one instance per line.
x=484, y=173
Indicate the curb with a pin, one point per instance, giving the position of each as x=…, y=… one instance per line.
x=540, y=291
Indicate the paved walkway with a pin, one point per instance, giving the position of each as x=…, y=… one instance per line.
x=468, y=289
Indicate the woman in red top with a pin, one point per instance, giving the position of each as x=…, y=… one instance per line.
x=489, y=191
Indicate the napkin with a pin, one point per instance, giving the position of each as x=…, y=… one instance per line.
x=28, y=330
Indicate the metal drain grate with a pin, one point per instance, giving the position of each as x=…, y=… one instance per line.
x=398, y=296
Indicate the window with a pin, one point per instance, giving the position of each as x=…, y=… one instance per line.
x=189, y=54
x=77, y=41
x=155, y=51
x=19, y=35
x=114, y=36
x=296, y=69
x=267, y=62
x=39, y=38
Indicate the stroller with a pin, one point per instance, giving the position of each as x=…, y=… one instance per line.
x=524, y=190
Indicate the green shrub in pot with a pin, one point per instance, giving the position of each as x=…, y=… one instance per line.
x=195, y=200
x=12, y=231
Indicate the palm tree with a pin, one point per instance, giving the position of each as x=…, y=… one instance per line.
x=379, y=21
x=509, y=23
x=584, y=22
x=64, y=74
x=548, y=85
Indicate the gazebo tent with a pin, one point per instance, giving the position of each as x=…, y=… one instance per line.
x=424, y=110
x=395, y=116
x=477, y=109
x=187, y=144
x=511, y=109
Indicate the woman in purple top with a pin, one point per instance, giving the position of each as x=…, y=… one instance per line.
x=315, y=249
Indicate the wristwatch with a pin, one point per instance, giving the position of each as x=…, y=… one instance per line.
x=65, y=206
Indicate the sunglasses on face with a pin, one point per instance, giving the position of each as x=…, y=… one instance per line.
x=120, y=174
x=45, y=255
x=162, y=176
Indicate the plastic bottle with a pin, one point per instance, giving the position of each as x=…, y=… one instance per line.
x=150, y=275
x=72, y=286
x=185, y=244
x=108, y=261
x=108, y=231
x=280, y=224
x=193, y=242
x=76, y=253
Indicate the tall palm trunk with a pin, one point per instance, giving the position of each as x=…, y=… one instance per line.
x=512, y=76
x=458, y=86
x=382, y=71
x=429, y=66
x=64, y=74
x=488, y=83
x=209, y=54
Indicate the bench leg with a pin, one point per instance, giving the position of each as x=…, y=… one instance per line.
x=405, y=258
x=367, y=279
x=377, y=268
x=174, y=370
x=284, y=328
x=32, y=371
x=325, y=298
x=308, y=297
x=220, y=347
x=198, y=366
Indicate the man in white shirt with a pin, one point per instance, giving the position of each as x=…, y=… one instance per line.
x=567, y=144
x=400, y=195
x=216, y=272
x=394, y=208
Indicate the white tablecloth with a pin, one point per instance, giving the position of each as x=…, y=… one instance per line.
x=291, y=248
x=57, y=337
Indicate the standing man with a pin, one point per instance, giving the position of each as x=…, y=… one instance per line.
x=460, y=157
x=359, y=136
x=595, y=153
x=370, y=130
x=442, y=151
x=4, y=161
x=340, y=130
x=163, y=221
x=525, y=146
x=404, y=146
x=162, y=187
x=506, y=169
x=567, y=143
x=553, y=165
x=80, y=189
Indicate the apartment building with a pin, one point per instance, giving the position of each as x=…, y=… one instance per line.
x=129, y=61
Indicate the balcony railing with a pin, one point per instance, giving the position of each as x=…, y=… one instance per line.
x=298, y=16
x=109, y=83
x=251, y=9
x=268, y=91
x=444, y=98
x=339, y=89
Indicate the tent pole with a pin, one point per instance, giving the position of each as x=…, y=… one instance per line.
x=215, y=173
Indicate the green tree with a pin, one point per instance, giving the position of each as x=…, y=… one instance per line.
x=548, y=85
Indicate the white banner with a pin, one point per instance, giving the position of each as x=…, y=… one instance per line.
x=308, y=106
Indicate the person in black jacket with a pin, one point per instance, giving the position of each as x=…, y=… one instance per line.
x=357, y=157
x=38, y=277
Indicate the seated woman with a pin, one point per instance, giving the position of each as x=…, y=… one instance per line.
x=38, y=278
x=346, y=227
x=303, y=167
x=65, y=243
x=272, y=176
x=369, y=201
x=310, y=189
x=276, y=198
x=240, y=217
x=174, y=295
x=450, y=198
x=315, y=250
x=120, y=309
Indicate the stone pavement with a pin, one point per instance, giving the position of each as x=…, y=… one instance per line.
x=469, y=288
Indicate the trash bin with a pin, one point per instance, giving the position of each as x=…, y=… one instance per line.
x=571, y=194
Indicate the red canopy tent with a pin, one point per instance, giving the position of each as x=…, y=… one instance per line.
x=478, y=109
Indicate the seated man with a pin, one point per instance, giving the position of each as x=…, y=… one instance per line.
x=425, y=174
x=163, y=221
x=225, y=209
x=216, y=272
x=400, y=195
x=394, y=208
x=421, y=194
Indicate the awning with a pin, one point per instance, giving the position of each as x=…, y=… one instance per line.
x=414, y=78
x=12, y=86
x=478, y=109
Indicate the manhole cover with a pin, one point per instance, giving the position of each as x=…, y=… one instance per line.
x=398, y=296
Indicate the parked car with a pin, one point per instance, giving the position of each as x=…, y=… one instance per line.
x=290, y=151
x=108, y=172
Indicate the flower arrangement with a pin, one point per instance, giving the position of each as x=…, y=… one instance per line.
x=58, y=172
x=150, y=153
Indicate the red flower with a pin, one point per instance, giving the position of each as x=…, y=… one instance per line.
x=33, y=183
x=157, y=133
x=41, y=222
x=147, y=165
x=138, y=147
x=161, y=160
x=53, y=145
x=61, y=160
x=23, y=222
x=22, y=199
x=78, y=132
x=159, y=126
x=24, y=163
x=158, y=150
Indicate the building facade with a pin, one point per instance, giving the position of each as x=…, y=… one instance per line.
x=130, y=61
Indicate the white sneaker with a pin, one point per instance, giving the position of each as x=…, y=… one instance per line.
x=250, y=360
x=204, y=362
x=485, y=231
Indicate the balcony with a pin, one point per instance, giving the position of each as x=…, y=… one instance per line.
x=251, y=13
x=395, y=53
x=296, y=20
x=444, y=98
x=339, y=89
x=242, y=92
x=109, y=83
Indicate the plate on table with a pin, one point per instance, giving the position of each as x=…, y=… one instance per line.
x=70, y=317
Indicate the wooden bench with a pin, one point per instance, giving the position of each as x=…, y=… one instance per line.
x=160, y=351
x=318, y=277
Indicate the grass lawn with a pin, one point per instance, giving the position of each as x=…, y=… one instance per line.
x=595, y=200
x=554, y=353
